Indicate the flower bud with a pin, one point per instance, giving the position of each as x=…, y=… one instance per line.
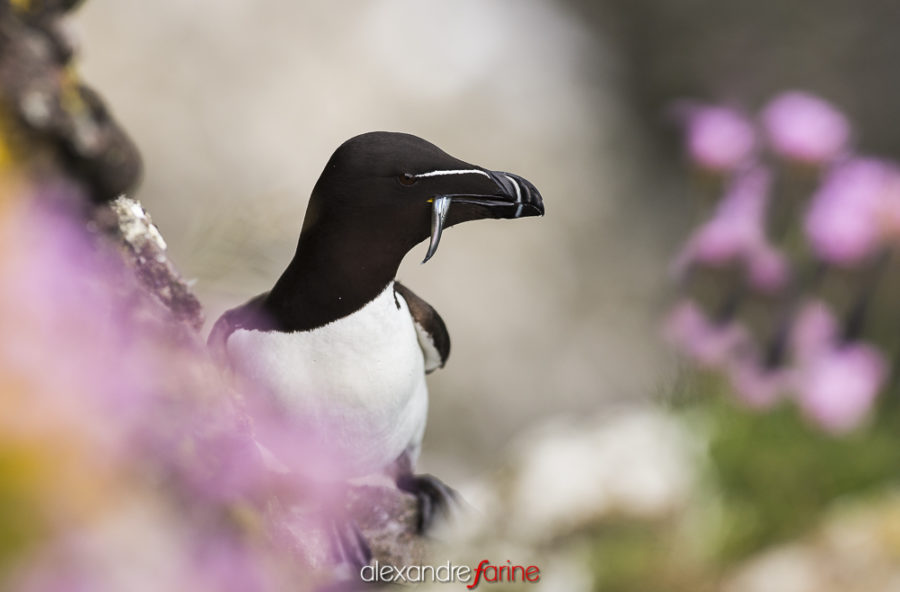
x=802, y=127
x=719, y=138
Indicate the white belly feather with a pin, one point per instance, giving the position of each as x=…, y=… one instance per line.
x=357, y=384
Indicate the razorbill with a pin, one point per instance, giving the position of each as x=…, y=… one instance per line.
x=338, y=344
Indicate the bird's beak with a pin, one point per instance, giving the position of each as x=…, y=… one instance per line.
x=512, y=197
x=439, y=209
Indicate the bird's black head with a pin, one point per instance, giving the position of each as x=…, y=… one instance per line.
x=381, y=194
x=389, y=191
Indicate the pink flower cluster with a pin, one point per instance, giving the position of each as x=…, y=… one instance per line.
x=129, y=464
x=797, y=205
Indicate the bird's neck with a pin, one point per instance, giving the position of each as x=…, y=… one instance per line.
x=333, y=274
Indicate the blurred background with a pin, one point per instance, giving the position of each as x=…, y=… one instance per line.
x=236, y=107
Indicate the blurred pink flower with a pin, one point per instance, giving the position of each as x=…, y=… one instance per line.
x=57, y=312
x=736, y=234
x=718, y=138
x=227, y=565
x=125, y=411
x=737, y=224
x=839, y=385
x=815, y=329
x=889, y=210
x=853, y=212
x=225, y=465
x=708, y=343
x=767, y=268
x=803, y=127
x=756, y=386
x=842, y=219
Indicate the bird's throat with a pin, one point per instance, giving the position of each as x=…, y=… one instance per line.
x=328, y=279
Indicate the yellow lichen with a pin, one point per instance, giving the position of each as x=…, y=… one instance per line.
x=21, y=5
x=6, y=154
x=10, y=162
x=8, y=140
x=70, y=93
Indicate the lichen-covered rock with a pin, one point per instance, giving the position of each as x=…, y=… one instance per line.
x=145, y=251
x=51, y=124
x=388, y=519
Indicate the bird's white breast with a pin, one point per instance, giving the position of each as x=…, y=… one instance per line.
x=357, y=385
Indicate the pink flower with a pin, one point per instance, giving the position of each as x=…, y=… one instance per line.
x=124, y=425
x=756, y=386
x=737, y=225
x=708, y=343
x=767, y=268
x=889, y=210
x=815, y=329
x=736, y=233
x=805, y=128
x=221, y=563
x=836, y=382
x=718, y=138
x=837, y=388
x=842, y=222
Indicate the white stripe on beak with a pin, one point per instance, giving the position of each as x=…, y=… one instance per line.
x=453, y=172
x=518, y=194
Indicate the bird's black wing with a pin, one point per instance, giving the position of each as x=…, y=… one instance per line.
x=247, y=316
x=433, y=336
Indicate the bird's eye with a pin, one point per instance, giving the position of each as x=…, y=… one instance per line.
x=407, y=179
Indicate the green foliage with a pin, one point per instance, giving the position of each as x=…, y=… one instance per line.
x=634, y=556
x=776, y=474
x=770, y=477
